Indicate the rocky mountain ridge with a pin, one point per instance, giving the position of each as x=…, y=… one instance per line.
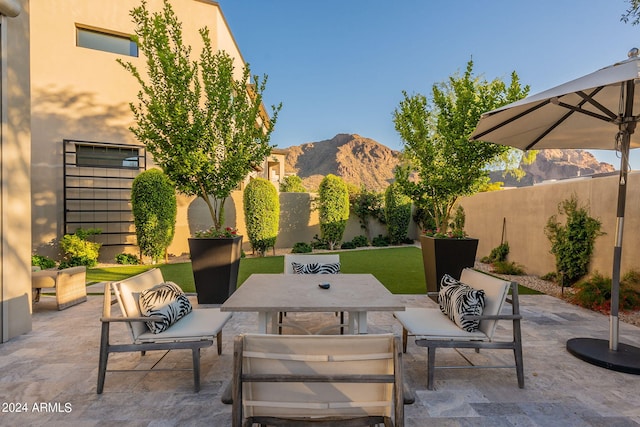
x=365, y=162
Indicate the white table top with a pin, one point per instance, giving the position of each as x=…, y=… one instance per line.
x=300, y=292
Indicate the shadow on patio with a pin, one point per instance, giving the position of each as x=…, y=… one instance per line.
x=50, y=375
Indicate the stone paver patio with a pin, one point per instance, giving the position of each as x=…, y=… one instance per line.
x=50, y=374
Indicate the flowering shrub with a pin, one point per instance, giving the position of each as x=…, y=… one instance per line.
x=225, y=233
x=455, y=234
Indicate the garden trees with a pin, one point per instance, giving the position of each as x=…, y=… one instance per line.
x=261, y=214
x=334, y=209
x=435, y=141
x=154, y=206
x=205, y=128
x=367, y=205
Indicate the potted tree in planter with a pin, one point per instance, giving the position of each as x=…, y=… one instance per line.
x=205, y=127
x=441, y=164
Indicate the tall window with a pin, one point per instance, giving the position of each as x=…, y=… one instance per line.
x=107, y=42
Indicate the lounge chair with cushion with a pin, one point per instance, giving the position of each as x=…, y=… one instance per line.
x=324, y=380
x=434, y=329
x=158, y=318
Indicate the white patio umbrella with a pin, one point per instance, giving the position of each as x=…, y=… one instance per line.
x=597, y=111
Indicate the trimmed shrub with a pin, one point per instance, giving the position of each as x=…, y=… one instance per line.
x=508, y=267
x=301, y=248
x=572, y=243
x=348, y=245
x=334, y=209
x=292, y=184
x=42, y=261
x=154, y=206
x=78, y=250
x=261, y=214
x=360, y=241
x=127, y=259
x=397, y=210
x=380, y=241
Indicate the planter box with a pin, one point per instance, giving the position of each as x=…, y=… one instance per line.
x=446, y=256
x=215, y=264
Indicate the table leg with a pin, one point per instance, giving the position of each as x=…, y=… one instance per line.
x=362, y=322
x=263, y=321
x=352, y=322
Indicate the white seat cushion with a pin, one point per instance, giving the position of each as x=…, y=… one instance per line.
x=199, y=324
x=431, y=323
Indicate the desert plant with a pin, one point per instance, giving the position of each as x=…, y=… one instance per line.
x=154, y=206
x=572, y=243
x=78, y=250
x=42, y=261
x=508, y=267
x=334, y=209
x=498, y=254
x=436, y=146
x=292, y=184
x=595, y=292
x=397, y=209
x=261, y=214
x=204, y=128
x=301, y=248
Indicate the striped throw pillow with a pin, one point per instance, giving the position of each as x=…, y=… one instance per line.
x=167, y=301
x=458, y=300
x=316, y=268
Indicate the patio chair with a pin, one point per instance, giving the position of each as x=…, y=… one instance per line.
x=311, y=264
x=194, y=331
x=433, y=329
x=324, y=380
x=69, y=285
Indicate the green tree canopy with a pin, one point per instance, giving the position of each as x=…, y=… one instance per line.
x=292, y=184
x=204, y=128
x=436, y=144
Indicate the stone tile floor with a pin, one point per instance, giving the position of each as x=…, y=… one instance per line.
x=48, y=376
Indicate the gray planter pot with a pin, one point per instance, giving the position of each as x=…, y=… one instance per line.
x=446, y=256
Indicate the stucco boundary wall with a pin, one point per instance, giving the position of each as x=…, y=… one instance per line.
x=526, y=210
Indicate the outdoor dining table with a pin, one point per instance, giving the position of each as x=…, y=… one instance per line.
x=269, y=294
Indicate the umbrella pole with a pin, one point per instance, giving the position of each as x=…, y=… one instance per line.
x=626, y=130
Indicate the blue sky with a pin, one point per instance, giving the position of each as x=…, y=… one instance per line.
x=340, y=66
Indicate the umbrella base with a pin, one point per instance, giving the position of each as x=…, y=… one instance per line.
x=596, y=351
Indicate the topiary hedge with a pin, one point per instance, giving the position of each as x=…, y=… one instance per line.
x=154, y=206
x=261, y=214
x=397, y=209
x=334, y=209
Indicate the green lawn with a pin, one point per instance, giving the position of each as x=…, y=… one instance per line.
x=399, y=269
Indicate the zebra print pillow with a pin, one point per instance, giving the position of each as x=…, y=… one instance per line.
x=316, y=268
x=166, y=300
x=458, y=300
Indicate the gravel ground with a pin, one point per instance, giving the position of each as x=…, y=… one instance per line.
x=550, y=288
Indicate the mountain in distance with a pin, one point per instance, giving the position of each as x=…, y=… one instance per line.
x=365, y=162
x=358, y=160
x=553, y=164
